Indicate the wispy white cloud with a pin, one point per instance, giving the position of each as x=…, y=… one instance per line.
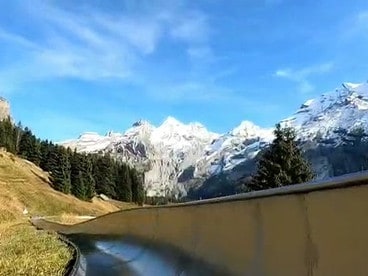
x=16, y=39
x=193, y=91
x=355, y=26
x=192, y=28
x=301, y=76
x=200, y=53
x=360, y=22
x=92, y=45
x=209, y=92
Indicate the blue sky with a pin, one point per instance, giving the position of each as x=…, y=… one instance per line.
x=74, y=66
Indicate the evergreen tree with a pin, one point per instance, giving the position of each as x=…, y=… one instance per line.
x=29, y=147
x=7, y=135
x=103, y=173
x=2, y=135
x=79, y=187
x=282, y=163
x=72, y=172
x=124, y=184
x=138, y=193
x=60, y=169
x=76, y=175
x=90, y=183
x=45, y=150
x=18, y=131
x=141, y=193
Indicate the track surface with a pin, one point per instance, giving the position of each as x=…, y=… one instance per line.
x=112, y=255
x=246, y=234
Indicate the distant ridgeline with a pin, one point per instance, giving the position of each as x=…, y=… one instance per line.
x=82, y=175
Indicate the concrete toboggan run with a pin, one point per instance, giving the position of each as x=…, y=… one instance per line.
x=318, y=228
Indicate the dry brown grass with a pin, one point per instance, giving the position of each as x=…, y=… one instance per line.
x=23, y=250
x=26, y=251
x=122, y=205
x=68, y=219
x=72, y=218
x=24, y=185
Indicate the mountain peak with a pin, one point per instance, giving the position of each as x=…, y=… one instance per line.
x=246, y=128
x=171, y=121
x=360, y=88
x=350, y=85
x=169, y=150
x=140, y=123
x=89, y=134
x=197, y=125
x=344, y=108
x=112, y=134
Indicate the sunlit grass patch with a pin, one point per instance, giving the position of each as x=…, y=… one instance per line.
x=27, y=251
x=25, y=191
x=67, y=218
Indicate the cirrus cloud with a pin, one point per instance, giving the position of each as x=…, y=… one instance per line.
x=301, y=76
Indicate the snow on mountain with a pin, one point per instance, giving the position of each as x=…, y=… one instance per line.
x=176, y=147
x=232, y=148
x=92, y=142
x=177, y=156
x=163, y=152
x=345, y=108
x=134, y=145
x=328, y=118
x=176, y=137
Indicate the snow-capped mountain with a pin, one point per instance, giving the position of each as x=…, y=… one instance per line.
x=322, y=125
x=92, y=142
x=230, y=149
x=178, y=157
x=345, y=108
x=163, y=152
x=174, y=147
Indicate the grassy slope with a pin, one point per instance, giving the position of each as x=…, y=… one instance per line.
x=26, y=251
x=24, y=185
x=23, y=250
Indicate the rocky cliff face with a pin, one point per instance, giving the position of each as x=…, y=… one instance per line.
x=178, y=157
x=325, y=126
x=4, y=108
x=328, y=116
x=163, y=152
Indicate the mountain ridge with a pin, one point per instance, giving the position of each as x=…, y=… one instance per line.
x=178, y=157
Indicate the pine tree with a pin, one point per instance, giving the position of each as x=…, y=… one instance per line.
x=124, y=184
x=78, y=186
x=45, y=150
x=138, y=192
x=104, y=175
x=2, y=135
x=7, y=135
x=29, y=147
x=76, y=175
x=18, y=130
x=141, y=193
x=72, y=172
x=89, y=181
x=282, y=163
x=60, y=169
